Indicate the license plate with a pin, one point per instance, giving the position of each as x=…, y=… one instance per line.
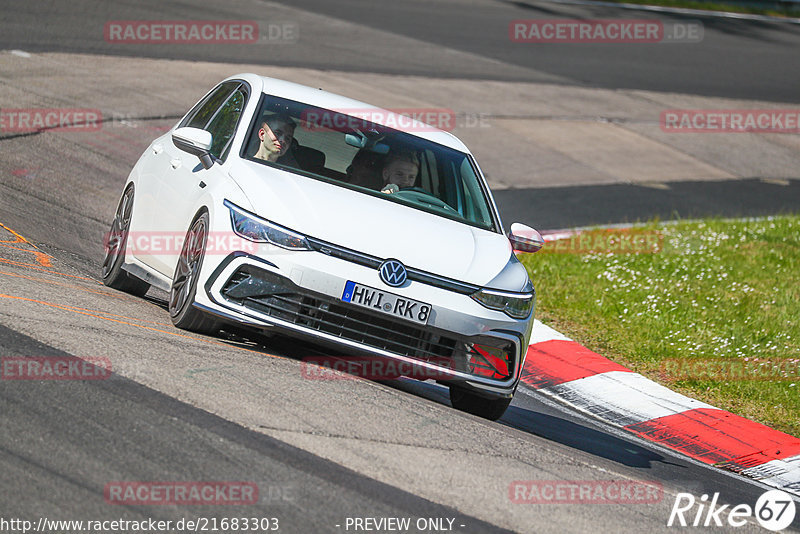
x=388, y=303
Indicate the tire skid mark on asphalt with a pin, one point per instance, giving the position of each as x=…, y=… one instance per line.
x=110, y=150
x=88, y=312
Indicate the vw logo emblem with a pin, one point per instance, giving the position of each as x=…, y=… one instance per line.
x=393, y=273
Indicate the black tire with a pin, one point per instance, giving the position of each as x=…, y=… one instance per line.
x=492, y=409
x=184, y=283
x=115, y=241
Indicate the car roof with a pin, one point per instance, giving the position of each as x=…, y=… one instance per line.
x=332, y=101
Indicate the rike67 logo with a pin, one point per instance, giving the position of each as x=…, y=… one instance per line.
x=774, y=510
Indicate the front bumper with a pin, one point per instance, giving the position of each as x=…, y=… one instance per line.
x=463, y=343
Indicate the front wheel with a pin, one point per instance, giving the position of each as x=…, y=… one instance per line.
x=184, y=284
x=492, y=409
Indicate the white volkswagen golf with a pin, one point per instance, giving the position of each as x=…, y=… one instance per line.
x=282, y=207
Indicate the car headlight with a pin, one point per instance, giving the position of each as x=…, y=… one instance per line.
x=515, y=305
x=254, y=228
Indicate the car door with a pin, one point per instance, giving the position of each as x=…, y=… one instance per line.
x=184, y=179
x=149, y=227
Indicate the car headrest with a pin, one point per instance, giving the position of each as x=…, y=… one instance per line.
x=309, y=159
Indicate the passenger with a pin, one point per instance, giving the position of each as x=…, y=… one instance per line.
x=275, y=139
x=400, y=171
x=365, y=170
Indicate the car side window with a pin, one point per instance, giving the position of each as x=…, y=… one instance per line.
x=203, y=112
x=223, y=125
x=219, y=115
x=478, y=211
x=428, y=173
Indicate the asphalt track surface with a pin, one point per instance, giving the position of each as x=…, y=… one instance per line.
x=90, y=424
x=741, y=59
x=569, y=207
x=738, y=59
x=236, y=407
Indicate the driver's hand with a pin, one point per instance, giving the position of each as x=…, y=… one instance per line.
x=390, y=188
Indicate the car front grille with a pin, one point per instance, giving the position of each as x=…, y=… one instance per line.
x=278, y=297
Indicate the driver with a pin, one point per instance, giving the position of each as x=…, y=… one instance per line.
x=275, y=139
x=399, y=171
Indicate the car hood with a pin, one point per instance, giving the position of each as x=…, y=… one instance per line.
x=374, y=226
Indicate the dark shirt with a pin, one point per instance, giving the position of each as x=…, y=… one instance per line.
x=288, y=159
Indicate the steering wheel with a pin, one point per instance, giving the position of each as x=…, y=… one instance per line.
x=420, y=196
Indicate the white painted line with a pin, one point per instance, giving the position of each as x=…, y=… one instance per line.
x=622, y=398
x=541, y=333
x=782, y=474
x=604, y=426
x=20, y=53
x=619, y=399
x=563, y=233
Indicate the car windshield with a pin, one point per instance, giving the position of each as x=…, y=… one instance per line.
x=344, y=148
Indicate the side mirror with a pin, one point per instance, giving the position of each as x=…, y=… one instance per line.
x=196, y=142
x=524, y=238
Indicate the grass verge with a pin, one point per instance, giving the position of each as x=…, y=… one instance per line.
x=721, y=299
x=787, y=11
